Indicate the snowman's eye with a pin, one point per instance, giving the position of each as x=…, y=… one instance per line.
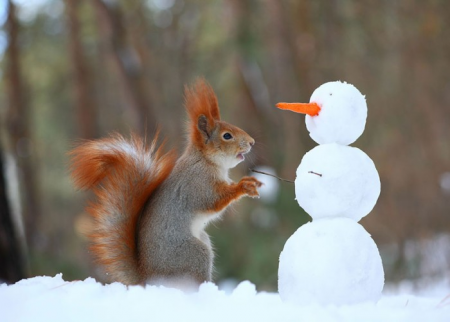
x=331, y=94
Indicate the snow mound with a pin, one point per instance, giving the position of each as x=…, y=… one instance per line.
x=50, y=299
x=330, y=261
x=337, y=181
x=342, y=117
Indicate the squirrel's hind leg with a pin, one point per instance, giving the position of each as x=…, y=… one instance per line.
x=191, y=264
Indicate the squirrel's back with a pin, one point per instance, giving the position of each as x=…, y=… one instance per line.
x=122, y=174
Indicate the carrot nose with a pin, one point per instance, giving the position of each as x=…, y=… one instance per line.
x=311, y=109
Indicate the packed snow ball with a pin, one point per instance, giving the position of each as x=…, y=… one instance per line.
x=330, y=261
x=336, y=180
x=343, y=114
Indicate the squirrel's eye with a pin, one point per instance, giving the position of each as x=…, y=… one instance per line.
x=227, y=136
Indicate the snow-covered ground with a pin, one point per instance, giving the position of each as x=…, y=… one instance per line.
x=53, y=299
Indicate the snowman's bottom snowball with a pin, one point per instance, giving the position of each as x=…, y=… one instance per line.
x=330, y=261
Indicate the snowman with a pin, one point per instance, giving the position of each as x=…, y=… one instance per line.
x=333, y=260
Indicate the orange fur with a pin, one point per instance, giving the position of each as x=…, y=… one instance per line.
x=112, y=168
x=123, y=174
x=232, y=192
x=200, y=99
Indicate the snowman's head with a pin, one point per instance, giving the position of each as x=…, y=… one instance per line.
x=336, y=113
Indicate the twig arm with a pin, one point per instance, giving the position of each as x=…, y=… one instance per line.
x=271, y=175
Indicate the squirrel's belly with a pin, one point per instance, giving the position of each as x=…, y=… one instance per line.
x=200, y=221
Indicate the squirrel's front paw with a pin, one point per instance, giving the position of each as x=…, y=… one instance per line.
x=250, y=185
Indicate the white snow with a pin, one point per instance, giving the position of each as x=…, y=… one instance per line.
x=330, y=261
x=343, y=114
x=336, y=180
x=50, y=299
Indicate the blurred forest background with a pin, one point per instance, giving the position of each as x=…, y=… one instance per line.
x=80, y=69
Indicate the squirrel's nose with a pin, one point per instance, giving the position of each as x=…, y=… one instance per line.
x=252, y=142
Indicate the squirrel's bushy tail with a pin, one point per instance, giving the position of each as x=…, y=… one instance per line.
x=122, y=174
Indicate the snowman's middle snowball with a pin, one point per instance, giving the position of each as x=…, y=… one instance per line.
x=337, y=181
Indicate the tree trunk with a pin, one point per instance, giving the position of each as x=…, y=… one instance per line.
x=12, y=267
x=85, y=107
x=18, y=123
x=254, y=95
x=283, y=85
x=125, y=67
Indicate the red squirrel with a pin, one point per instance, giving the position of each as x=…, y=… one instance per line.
x=151, y=209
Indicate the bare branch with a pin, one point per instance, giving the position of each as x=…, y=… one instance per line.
x=271, y=175
x=317, y=174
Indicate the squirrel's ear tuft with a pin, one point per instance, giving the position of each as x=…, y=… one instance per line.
x=202, y=125
x=202, y=107
x=201, y=99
